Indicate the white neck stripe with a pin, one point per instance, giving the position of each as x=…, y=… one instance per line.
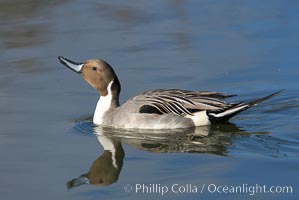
x=109, y=87
x=103, y=106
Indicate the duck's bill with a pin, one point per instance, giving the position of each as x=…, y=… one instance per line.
x=75, y=66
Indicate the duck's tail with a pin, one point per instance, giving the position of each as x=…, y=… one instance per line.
x=225, y=115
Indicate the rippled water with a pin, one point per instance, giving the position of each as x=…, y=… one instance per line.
x=49, y=148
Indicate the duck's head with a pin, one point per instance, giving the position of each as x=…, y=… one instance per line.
x=98, y=73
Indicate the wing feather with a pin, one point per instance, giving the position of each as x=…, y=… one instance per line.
x=183, y=102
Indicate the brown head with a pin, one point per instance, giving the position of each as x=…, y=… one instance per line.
x=98, y=73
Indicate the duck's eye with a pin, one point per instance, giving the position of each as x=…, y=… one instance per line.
x=94, y=68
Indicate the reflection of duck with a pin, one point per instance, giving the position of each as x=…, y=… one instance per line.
x=204, y=139
x=106, y=168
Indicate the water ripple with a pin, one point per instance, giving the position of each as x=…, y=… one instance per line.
x=225, y=139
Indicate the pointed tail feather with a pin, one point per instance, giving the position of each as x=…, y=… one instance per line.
x=226, y=114
x=253, y=103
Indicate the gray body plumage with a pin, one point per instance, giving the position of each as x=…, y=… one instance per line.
x=172, y=108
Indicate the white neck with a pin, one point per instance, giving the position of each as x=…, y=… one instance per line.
x=103, y=106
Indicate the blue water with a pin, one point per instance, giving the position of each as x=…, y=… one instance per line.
x=49, y=148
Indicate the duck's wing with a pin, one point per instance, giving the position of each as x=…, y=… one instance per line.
x=181, y=102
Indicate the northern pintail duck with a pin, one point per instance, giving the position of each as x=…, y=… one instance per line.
x=155, y=109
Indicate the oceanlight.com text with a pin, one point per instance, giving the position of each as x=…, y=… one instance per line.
x=248, y=189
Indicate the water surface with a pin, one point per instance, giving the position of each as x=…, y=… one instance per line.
x=47, y=139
